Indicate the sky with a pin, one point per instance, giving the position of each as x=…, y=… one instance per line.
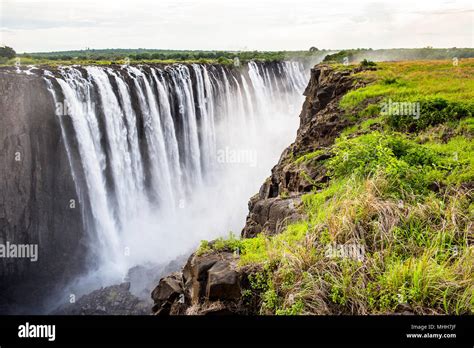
x=55, y=25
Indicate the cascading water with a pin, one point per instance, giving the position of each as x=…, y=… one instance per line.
x=170, y=156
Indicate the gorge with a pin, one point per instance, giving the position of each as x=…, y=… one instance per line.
x=148, y=160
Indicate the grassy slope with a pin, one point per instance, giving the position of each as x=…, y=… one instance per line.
x=400, y=188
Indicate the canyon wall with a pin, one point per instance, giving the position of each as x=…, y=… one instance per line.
x=35, y=195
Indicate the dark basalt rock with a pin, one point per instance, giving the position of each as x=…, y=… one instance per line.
x=36, y=184
x=111, y=300
x=223, y=282
x=271, y=215
x=195, y=275
x=204, y=280
x=168, y=291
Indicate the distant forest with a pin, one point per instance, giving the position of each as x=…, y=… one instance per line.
x=110, y=56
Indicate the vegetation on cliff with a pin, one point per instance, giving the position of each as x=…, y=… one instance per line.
x=391, y=229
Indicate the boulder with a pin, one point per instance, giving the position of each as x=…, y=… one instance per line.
x=168, y=287
x=271, y=215
x=223, y=282
x=195, y=274
x=209, y=284
x=168, y=291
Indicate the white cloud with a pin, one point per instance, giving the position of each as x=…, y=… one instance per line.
x=45, y=25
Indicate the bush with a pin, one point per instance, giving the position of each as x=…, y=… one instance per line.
x=408, y=165
x=338, y=57
x=367, y=63
x=225, y=61
x=433, y=111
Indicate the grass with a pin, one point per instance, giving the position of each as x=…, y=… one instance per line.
x=417, y=255
x=410, y=166
x=414, y=79
x=442, y=91
x=400, y=192
x=309, y=156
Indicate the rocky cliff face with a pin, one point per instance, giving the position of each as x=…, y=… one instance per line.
x=213, y=283
x=321, y=121
x=36, y=189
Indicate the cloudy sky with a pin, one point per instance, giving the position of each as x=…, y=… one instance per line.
x=51, y=25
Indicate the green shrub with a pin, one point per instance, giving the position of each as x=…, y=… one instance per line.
x=390, y=81
x=433, y=111
x=409, y=166
x=367, y=63
x=309, y=156
x=366, y=154
x=338, y=57
x=203, y=248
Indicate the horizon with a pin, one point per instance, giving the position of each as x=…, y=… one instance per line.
x=33, y=26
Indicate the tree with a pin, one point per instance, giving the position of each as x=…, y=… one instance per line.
x=7, y=52
x=313, y=49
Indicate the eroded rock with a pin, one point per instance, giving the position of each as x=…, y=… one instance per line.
x=223, y=281
x=169, y=289
x=204, y=280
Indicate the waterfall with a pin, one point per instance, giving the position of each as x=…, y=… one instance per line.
x=163, y=148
